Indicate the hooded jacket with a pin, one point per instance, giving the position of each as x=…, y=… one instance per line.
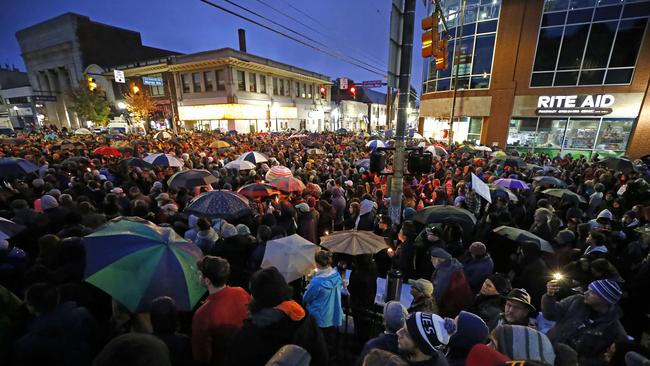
x=450, y=288
x=339, y=203
x=323, y=298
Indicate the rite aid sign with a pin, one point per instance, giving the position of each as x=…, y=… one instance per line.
x=575, y=105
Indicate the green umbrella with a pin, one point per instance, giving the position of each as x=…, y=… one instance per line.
x=519, y=235
x=135, y=261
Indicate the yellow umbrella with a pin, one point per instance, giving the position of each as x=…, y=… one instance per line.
x=499, y=154
x=219, y=144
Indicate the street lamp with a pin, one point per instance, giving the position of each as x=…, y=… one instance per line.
x=121, y=105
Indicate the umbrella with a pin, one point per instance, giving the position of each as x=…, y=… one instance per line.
x=293, y=256
x=232, y=132
x=549, y=181
x=107, y=151
x=51, y=136
x=436, y=150
x=125, y=149
x=363, y=134
x=288, y=184
x=314, y=136
x=9, y=229
x=220, y=204
x=163, y=135
x=499, y=154
x=116, y=136
x=417, y=136
x=164, y=160
x=220, y=144
x=618, y=164
x=313, y=189
x=563, y=193
x=316, y=152
x=240, y=165
x=135, y=162
x=445, y=214
x=257, y=190
x=136, y=261
x=519, y=235
x=16, y=167
x=254, y=157
x=191, y=178
x=483, y=148
x=83, y=131
x=498, y=191
x=375, y=144
x=363, y=163
x=511, y=183
x=353, y=242
x=463, y=149
x=277, y=172
x=76, y=160
x=341, y=130
x=298, y=136
x=513, y=161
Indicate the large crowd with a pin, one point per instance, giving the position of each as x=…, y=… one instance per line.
x=567, y=289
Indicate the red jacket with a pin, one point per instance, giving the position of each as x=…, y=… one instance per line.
x=220, y=316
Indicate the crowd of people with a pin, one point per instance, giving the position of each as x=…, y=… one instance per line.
x=479, y=298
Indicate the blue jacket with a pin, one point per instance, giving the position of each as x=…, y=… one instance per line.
x=323, y=298
x=477, y=270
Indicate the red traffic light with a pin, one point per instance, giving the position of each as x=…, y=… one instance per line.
x=322, y=90
x=353, y=90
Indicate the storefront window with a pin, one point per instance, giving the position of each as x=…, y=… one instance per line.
x=241, y=81
x=581, y=134
x=522, y=132
x=614, y=134
x=474, y=132
x=550, y=132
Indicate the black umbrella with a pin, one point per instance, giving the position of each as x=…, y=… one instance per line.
x=191, y=178
x=16, y=167
x=550, y=181
x=618, y=164
x=76, y=160
x=447, y=214
x=135, y=162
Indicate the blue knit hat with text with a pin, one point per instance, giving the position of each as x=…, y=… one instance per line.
x=607, y=290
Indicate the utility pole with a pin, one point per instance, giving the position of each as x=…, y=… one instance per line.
x=402, y=114
x=457, y=64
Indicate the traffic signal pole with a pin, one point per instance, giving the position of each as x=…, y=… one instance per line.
x=397, y=182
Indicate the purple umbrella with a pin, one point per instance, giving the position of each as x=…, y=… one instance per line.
x=511, y=183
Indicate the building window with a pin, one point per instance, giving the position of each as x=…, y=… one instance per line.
x=275, y=87
x=208, y=80
x=303, y=91
x=475, y=50
x=241, y=81
x=281, y=82
x=252, y=82
x=588, y=42
x=310, y=94
x=196, y=82
x=156, y=90
x=263, y=84
x=221, y=79
x=185, y=81
x=297, y=89
x=287, y=88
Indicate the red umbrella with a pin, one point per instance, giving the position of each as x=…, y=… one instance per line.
x=258, y=190
x=288, y=184
x=107, y=151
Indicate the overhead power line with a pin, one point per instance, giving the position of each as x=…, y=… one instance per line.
x=289, y=37
x=302, y=35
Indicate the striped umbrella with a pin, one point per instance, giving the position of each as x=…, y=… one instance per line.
x=221, y=204
x=254, y=157
x=375, y=144
x=107, y=151
x=16, y=167
x=288, y=184
x=136, y=261
x=163, y=135
x=277, y=172
x=240, y=165
x=258, y=190
x=164, y=160
x=191, y=178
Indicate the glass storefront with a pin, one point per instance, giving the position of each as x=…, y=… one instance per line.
x=575, y=134
x=465, y=129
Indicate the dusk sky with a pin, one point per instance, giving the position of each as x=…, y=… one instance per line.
x=352, y=27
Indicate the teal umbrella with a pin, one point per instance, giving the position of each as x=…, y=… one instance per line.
x=136, y=261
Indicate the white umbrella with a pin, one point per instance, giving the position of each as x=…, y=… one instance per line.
x=417, y=136
x=293, y=256
x=163, y=135
x=432, y=150
x=482, y=148
x=254, y=157
x=240, y=165
x=353, y=242
x=83, y=131
x=164, y=160
x=422, y=144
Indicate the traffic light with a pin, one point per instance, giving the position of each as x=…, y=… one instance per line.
x=377, y=161
x=92, y=85
x=420, y=162
x=442, y=55
x=353, y=91
x=430, y=36
x=323, y=92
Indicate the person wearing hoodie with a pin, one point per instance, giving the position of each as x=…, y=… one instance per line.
x=339, y=204
x=479, y=266
x=366, y=218
x=450, y=287
x=470, y=331
x=274, y=321
x=205, y=236
x=322, y=297
x=307, y=225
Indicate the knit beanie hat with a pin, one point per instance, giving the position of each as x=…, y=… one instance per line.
x=243, y=230
x=290, y=355
x=395, y=315
x=429, y=331
x=500, y=282
x=228, y=230
x=48, y=202
x=269, y=288
x=409, y=212
x=478, y=249
x=472, y=330
x=607, y=290
x=524, y=343
x=302, y=207
x=482, y=355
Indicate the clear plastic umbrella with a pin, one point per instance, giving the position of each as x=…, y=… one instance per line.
x=293, y=256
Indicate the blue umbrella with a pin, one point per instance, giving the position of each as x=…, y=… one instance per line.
x=16, y=167
x=219, y=204
x=232, y=132
x=51, y=136
x=135, y=261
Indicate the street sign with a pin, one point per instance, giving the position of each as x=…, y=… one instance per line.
x=343, y=83
x=118, y=75
x=45, y=98
x=155, y=81
x=373, y=84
